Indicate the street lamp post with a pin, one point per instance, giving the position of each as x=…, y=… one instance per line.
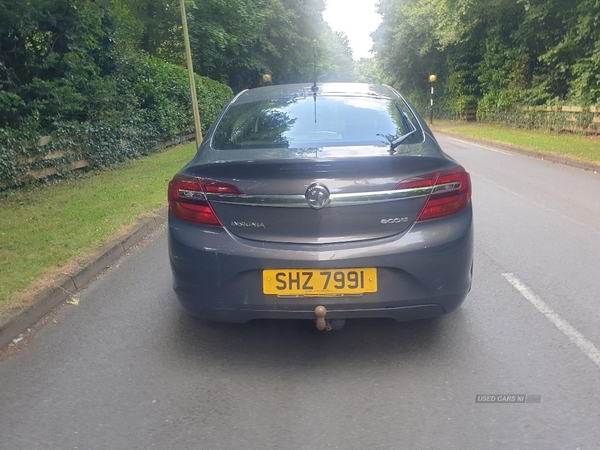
x=432, y=79
x=190, y=67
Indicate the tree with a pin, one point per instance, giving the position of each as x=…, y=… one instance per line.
x=499, y=53
x=368, y=71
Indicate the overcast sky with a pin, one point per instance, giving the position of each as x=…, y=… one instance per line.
x=358, y=19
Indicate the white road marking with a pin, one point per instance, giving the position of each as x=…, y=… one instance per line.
x=584, y=344
x=481, y=146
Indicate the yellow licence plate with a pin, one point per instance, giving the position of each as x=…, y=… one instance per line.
x=319, y=282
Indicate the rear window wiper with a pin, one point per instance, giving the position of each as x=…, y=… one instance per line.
x=407, y=124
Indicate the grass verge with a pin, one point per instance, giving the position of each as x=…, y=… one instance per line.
x=583, y=148
x=47, y=229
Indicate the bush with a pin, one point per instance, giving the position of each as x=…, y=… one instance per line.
x=144, y=103
x=497, y=106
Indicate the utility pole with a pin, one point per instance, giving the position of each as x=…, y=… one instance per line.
x=190, y=67
x=432, y=79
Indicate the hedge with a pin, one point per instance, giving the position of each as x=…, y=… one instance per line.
x=102, y=120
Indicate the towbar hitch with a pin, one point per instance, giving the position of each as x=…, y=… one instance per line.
x=328, y=325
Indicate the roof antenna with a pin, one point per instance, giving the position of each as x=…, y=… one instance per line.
x=314, y=89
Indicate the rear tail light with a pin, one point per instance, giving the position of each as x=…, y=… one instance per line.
x=187, y=198
x=451, y=192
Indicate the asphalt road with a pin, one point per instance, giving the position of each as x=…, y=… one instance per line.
x=127, y=369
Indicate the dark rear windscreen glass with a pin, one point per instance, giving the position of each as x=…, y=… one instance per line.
x=303, y=122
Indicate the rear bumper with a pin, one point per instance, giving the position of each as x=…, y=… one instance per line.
x=402, y=313
x=424, y=272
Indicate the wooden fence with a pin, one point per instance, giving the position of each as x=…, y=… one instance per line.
x=470, y=113
x=54, y=166
x=582, y=119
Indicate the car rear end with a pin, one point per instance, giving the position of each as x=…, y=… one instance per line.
x=298, y=199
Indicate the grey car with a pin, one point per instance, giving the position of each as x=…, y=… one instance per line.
x=334, y=198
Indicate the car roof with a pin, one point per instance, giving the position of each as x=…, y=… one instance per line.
x=304, y=89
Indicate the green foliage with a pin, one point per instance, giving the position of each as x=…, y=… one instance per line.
x=238, y=41
x=212, y=97
x=105, y=78
x=339, y=66
x=367, y=70
x=130, y=113
x=500, y=54
x=72, y=69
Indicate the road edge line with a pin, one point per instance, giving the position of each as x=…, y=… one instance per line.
x=491, y=149
x=586, y=346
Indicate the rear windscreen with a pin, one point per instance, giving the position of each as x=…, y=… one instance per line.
x=308, y=122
